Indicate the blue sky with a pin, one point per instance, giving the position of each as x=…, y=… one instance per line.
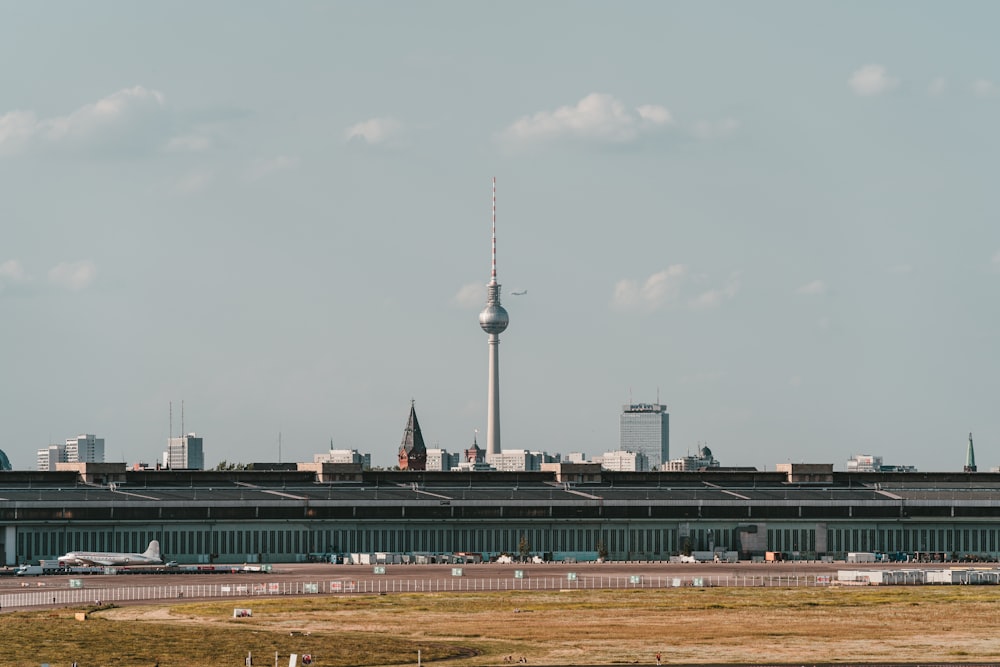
x=779, y=217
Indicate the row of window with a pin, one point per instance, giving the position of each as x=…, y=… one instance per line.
x=957, y=540
x=290, y=543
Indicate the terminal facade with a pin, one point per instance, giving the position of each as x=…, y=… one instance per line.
x=292, y=512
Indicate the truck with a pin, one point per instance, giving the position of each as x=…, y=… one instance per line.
x=37, y=570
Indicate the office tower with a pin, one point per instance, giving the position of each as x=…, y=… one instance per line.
x=185, y=453
x=645, y=428
x=85, y=449
x=49, y=456
x=493, y=320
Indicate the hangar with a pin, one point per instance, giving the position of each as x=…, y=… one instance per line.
x=286, y=512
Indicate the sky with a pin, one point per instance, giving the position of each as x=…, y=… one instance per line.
x=780, y=219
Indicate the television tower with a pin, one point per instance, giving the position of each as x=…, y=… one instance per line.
x=493, y=320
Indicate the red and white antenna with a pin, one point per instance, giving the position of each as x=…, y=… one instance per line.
x=493, y=275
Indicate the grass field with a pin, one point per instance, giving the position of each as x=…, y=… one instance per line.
x=688, y=625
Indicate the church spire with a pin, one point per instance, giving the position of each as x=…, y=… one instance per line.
x=970, y=457
x=412, y=452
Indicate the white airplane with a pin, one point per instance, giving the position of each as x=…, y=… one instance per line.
x=151, y=556
x=519, y=293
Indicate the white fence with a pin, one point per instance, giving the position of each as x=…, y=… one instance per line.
x=49, y=592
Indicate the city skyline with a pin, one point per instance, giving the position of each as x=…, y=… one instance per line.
x=779, y=218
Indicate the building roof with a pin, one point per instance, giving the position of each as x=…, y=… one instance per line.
x=416, y=488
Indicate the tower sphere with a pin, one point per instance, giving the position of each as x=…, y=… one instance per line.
x=494, y=318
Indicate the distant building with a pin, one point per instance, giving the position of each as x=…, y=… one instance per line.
x=871, y=463
x=4, y=461
x=186, y=452
x=85, y=449
x=518, y=460
x=475, y=454
x=440, y=460
x=703, y=460
x=576, y=457
x=49, y=456
x=645, y=428
x=412, y=451
x=345, y=457
x=892, y=468
x=622, y=461
x=864, y=463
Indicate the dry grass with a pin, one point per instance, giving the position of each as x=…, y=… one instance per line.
x=689, y=625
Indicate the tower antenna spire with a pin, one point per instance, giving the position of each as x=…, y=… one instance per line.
x=493, y=274
x=493, y=320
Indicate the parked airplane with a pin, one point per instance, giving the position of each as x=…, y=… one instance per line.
x=151, y=556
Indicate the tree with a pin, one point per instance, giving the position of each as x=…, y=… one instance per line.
x=225, y=465
x=686, y=547
x=524, y=547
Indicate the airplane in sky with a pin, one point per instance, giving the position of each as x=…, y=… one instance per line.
x=151, y=556
x=519, y=292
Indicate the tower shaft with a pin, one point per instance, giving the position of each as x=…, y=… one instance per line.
x=493, y=400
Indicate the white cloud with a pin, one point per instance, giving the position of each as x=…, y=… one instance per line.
x=656, y=291
x=128, y=119
x=706, y=129
x=871, y=80
x=673, y=284
x=715, y=297
x=654, y=114
x=374, y=131
x=985, y=88
x=262, y=167
x=937, y=86
x=597, y=116
x=470, y=295
x=813, y=288
x=12, y=272
x=73, y=275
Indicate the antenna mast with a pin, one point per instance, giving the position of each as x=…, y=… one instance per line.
x=493, y=274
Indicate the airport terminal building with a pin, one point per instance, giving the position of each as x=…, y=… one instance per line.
x=291, y=512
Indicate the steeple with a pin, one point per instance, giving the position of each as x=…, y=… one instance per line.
x=970, y=458
x=412, y=452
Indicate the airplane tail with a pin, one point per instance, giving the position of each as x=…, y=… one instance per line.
x=153, y=550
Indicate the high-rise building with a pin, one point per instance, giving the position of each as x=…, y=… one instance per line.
x=49, y=456
x=186, y=452
x=493, y=320
x=440, y=460
x=85, y=448
x=645, y=428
